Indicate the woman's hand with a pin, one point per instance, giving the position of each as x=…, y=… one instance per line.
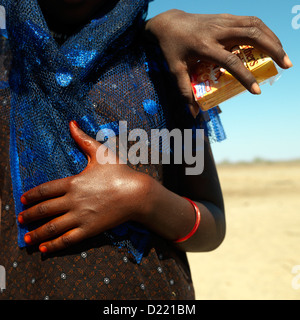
x=104, y=196
x=101, y=197
x=187, y=38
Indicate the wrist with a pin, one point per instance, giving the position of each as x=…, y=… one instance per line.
x=163, y=211
x=143, y=198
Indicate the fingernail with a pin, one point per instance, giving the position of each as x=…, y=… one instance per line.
x=20, y=218
x=27, y=238
x=255, y=89
x=23, y=200
x=75, y=123
x=43, y=249
x=287, y=62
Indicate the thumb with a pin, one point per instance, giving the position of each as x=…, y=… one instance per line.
x=185, y=87
x=87, y=144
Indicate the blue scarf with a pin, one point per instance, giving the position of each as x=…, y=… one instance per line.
x=97, y=77
x=82, y=80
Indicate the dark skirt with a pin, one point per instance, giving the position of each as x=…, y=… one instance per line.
x=94, y=269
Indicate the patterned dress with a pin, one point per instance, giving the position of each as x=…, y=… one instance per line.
x=93, y=269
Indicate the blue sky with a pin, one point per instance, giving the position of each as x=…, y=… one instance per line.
x=265, y=126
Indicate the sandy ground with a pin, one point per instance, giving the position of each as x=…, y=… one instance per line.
x=262, y=244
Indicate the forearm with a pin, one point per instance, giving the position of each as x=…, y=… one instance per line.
x=90, y=208
x=173, y=217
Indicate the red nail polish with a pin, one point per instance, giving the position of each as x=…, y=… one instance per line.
x=75, y=123
x=23, y=200
x=43, y=249
x=20, y=218
x=27, y=238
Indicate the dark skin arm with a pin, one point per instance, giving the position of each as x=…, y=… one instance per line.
x=85, y=206
x=206, y=192
x=186, y=38
x=81, y=207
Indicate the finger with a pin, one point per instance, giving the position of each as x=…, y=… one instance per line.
x=44, y=209
x=182, y=76
x=65, y=241
x=257, y=38
x=252, y=23
x=51, y=229
x=249, y=22
x=48, y=190
x=87, y=144
x=233, y=64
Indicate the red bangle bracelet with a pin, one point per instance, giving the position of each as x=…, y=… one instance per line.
x=197, y=223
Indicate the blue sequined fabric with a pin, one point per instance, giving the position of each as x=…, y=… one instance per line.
x=97, y=77
x=52, y=85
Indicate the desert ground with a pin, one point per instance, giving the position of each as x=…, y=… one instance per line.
x=260, y=256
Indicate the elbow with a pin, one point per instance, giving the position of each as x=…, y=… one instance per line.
x=211, y=233
x=218, y=235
